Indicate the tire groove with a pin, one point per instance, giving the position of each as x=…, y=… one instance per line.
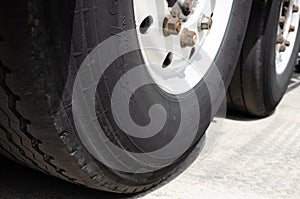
x=12, y=99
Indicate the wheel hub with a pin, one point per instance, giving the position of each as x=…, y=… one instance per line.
x=180, y=32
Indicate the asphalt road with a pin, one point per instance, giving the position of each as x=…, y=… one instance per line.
x=252, y=158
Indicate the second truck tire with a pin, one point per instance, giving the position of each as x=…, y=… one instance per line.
x=258, y=86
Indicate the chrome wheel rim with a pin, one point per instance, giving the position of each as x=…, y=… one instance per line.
x=169, y=61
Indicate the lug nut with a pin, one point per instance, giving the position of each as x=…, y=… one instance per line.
x=282, y=20
x=177, y=12
x=205, y=23
x=186, y=6
x=295, y=8
x=292, y=29
x=187, y=38
x=282, y=48
x=171, y=26
x=280, y=39
x=287, y=43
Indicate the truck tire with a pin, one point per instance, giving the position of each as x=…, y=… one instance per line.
x=43, y=44
x=263, y=73
x=298, y=65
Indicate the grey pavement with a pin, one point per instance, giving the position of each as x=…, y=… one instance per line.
x=253, y=158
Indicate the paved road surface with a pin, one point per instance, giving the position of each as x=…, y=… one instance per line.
x=252, y=159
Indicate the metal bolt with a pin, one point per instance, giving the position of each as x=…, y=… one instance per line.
x=205, y=23
x=171, y=26
x=282, y=48
x=187, y=38
x=292, y=29
x=280, y=39
x=295, y=8
x=282, y=20
x=287, y=43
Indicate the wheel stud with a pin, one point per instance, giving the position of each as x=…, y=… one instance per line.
x=287, y=43
x=187, y=38
x=292, y=29
x=295, y=8
x=280, y=39
x=205, y=23
x=282, y=48
x=171, y=26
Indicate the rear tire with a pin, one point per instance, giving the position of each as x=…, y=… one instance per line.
x=298, y=65
x=256, y=87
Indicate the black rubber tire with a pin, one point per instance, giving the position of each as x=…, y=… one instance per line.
x=37, y=72
x=297, y=67
x=256, y=89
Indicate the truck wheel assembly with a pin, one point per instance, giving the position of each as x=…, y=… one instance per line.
x=71, y=70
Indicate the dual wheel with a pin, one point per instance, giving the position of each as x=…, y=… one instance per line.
x=164, y=61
